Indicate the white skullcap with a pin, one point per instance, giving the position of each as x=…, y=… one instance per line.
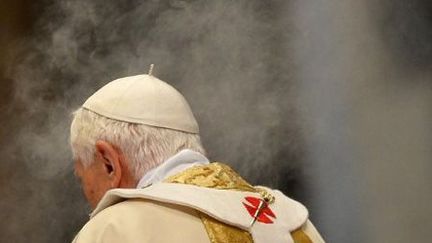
x=143, y=99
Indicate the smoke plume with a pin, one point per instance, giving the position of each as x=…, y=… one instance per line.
x=330, y=101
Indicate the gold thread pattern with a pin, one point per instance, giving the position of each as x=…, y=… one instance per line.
x=300, y=236
x=219, y=232
x=220, y=176
x=214, y=175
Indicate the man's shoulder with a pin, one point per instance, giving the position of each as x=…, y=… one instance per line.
x=143, y=209
x=142, y=220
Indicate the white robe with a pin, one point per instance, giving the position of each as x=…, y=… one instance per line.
x=166, y=212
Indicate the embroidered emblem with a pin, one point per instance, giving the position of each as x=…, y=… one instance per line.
x=259, y=210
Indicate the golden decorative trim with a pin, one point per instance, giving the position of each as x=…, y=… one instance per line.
x=300, y=236
x=214, y=175
x=219, y=232
x=220, y=176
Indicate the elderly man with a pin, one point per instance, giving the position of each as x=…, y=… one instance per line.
x=143, y=169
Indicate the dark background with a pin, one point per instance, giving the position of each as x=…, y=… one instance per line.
x=330, y=102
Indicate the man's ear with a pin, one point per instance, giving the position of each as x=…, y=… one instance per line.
x=109, y=156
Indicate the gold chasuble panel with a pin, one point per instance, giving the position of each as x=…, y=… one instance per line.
x=220, y=176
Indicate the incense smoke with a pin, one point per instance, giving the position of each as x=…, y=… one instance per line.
x=328, y=101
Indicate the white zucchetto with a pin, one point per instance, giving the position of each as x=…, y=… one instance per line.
x=143, y=99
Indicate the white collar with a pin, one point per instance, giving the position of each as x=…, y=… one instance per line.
x=179, y=162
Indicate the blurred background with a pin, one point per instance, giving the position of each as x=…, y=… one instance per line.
x=330, y=101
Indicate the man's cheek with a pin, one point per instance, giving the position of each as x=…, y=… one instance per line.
x=88, y=192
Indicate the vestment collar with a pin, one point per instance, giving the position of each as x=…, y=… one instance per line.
x=175, y=164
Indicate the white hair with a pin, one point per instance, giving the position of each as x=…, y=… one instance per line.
x=145, y=147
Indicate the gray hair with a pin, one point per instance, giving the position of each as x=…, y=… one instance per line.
x=144, y=146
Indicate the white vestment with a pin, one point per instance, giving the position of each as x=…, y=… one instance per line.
x=168, y=212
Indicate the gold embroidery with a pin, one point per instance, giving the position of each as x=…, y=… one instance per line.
x=219, y=232
x=220, y=176
x=300, y=236
x=214, y=175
